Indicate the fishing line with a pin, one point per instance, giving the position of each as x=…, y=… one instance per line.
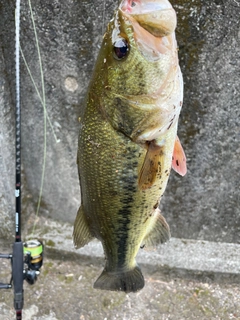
x=237, y=3
x=38, y=93
x=103, y=27
x=45, y=113
x=27, y=257
x=44, y=116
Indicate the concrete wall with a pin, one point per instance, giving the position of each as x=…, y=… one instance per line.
x=202, y=205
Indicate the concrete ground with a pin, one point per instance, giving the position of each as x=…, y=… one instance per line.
x=184, y=280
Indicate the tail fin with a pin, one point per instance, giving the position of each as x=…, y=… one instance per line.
x=129, y=281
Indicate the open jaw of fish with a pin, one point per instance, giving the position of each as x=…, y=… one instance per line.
x=128, y=139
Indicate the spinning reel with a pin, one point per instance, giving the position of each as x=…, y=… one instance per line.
x=33, y=260
x=31, y=263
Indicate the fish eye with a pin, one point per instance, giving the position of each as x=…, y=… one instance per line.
x=120, y=49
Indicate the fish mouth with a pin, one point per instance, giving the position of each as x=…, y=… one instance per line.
x=153, y=23
x=144, y=6
x=156, y=16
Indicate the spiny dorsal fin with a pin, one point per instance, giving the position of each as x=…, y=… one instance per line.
x=179, y=162
x=151, y=167
x=81, y=232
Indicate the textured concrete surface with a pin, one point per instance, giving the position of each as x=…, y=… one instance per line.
x=182, y=256
x=64, y=291
x=64, y=288
x=202, y=205
x=198, y=259
x=6, y=153
x=205, y=204
x=184, y=279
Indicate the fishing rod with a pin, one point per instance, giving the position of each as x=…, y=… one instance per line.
x=27, y=257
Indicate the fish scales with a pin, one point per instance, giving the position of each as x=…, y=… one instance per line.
x=126, y=142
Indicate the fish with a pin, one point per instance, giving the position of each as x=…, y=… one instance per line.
x=128, y=139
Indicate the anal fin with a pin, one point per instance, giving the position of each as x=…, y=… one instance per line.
x=158, y=230
x=81, y=231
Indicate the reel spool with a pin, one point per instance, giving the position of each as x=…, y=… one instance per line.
x=33, y=258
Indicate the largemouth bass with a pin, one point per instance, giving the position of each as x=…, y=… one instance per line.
x=127, y=139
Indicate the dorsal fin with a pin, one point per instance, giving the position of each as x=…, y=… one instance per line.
x=179, y=162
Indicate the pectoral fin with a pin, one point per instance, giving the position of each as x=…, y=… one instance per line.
x=179, y=159
x=157, y=231
x=151, y=168
x=81, y=231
